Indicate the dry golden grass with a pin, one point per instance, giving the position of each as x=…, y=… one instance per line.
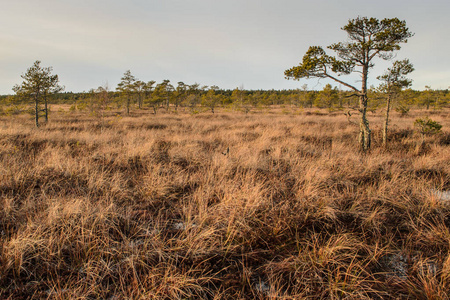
x=154, y=207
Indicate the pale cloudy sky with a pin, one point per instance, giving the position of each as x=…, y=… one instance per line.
x=226, y=43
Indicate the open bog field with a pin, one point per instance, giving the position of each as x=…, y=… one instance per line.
x=223, y=206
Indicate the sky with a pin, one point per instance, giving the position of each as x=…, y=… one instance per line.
x=245, y=43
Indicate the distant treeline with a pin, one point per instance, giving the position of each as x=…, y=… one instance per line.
x=196, y=98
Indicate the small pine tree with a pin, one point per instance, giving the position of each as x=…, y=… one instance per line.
x=126, y=86
x=426, y=126
x=38, y=83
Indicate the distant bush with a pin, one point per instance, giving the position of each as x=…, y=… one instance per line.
x=15, y=110
x=426, y=126
x=315, y=113
x=402, y=110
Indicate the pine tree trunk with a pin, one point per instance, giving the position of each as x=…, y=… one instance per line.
x=167, y=101
x=46, y=109
x=36, y=111
x=364, y=130
x=386, y=120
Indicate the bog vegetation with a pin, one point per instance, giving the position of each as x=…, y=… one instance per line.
x=194, y=99
x=260, y=205
x=156, y=191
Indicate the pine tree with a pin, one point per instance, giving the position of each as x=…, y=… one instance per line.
x=368, y=38
x=38, y=84
x=126, y=87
